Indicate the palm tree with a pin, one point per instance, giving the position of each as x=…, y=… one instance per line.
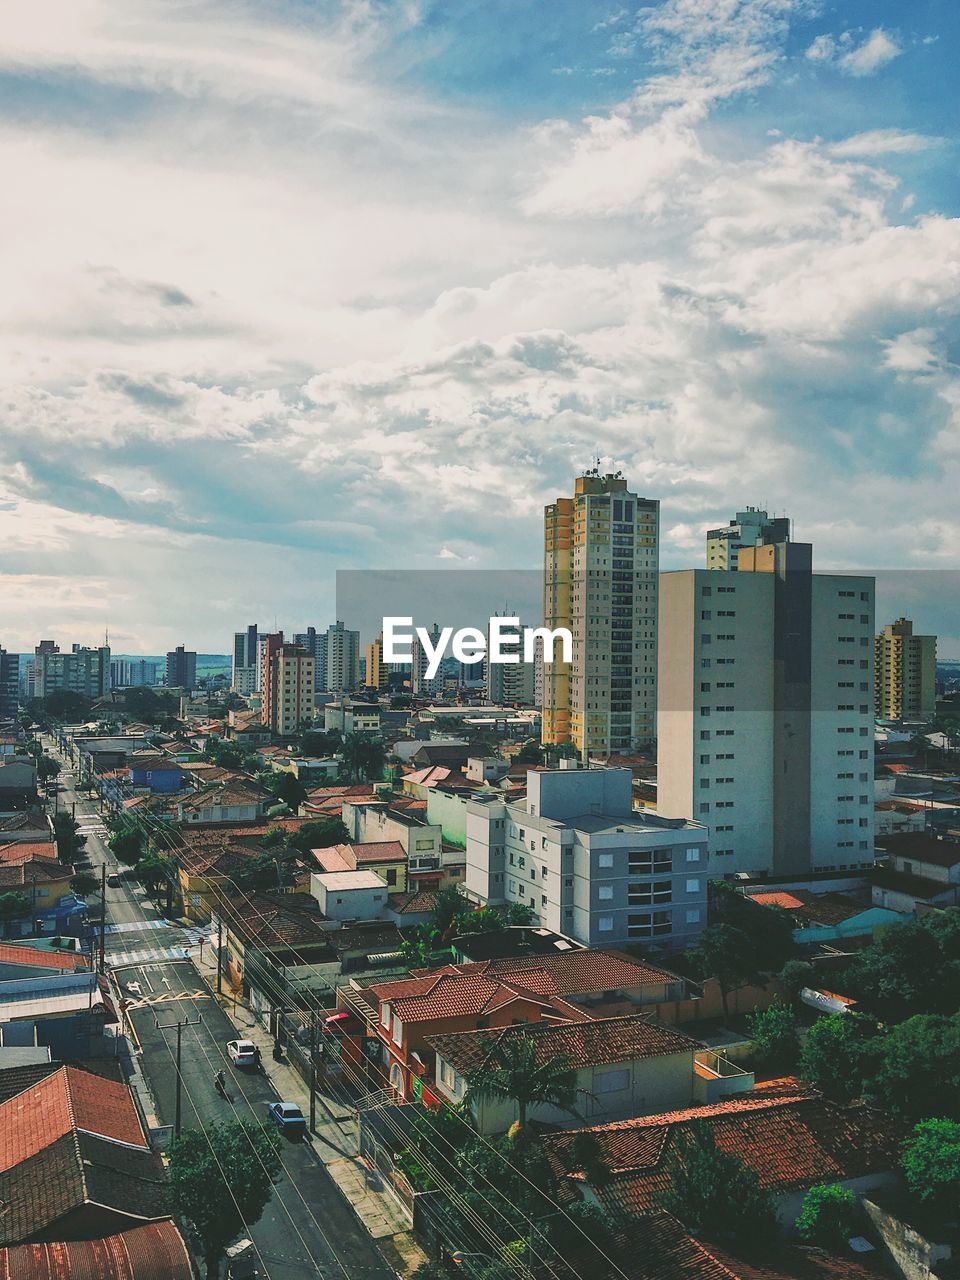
x=511, y=1070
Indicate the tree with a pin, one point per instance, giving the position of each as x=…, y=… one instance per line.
x=714, y=1193
x=315, y=742
x=288, y=788
x=319, y=835
x=727, y=954
x=84, y=883
x=153, y=871
x=364, y=756
x=836, y=1055
x=13, y=906
x=774, y=1034
x=931, y=1164
x=66, y=831
x=770, y=929
x=127, y=845
x=917, y=1071
x=449, y=904
x=904, y=971
x=221, y=1179
x=510, y=1070
x=827, y=1216
x=795, y=975
x=47, y=768
x=263, y=871
x=530, y=753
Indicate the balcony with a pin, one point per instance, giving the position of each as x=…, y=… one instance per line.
x=716, y=1077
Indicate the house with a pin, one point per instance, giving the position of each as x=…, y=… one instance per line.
x=310, y=770
x=27, y=827
x=349, y=895
x=205, y=875
x=828, y=917
x=452, y=755
x=45, y=882
x=388, y=858
x=75, y=1162
x=153, y=1252
x=917, y=869
x=256, y=927
x=222, y=803
x=894, y=816
x=429, y=864
x=68, y=1012
x=18, y=782
x=161, y=774
x=792, y=1137
x=624, y=1066
x=19, y=961
x=401, y=1016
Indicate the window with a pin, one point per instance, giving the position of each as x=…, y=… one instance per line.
x=693, y=886
x=693, y=855
x=605, y=860
x=605, y=924
x=693, y=915
x=397, y=1031
x=448, y=1076
x=611, y=1081
x=605, y=893
x=385, y=1015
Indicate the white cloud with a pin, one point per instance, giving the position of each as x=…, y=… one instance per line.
x=882, y=142
x=877, y=50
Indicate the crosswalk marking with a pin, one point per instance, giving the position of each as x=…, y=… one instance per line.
x=147, y=955
x=167, y=996
x=131, y=926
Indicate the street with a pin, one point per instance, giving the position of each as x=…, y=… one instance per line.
x=307, y=1228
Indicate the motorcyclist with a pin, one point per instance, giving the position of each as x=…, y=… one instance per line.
x=220, y=1084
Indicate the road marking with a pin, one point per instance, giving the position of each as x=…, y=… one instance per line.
x=143, y=975
x=131, y=926
x=144, y=955
x=166, y=996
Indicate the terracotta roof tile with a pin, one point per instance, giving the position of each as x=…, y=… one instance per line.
x=59, y=961
x=155, y=1251
x=600, y=1040
x=569, y=973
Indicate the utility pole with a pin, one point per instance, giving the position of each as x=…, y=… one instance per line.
x=103, y=917
x=313, y=1070
x=219, y=956
x=168, y=1026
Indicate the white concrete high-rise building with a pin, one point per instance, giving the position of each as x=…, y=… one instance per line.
x=765, y=711
x=601, y=557
x=341, y=659
x=245, y=675
x=422, y=685
x=749, y=528
x=510, y=684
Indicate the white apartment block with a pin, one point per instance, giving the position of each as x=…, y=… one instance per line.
x=511, y=683
x=750, y=528
x=245, y=674
x=341, y=659
x=588, y=864
x=601, y=557
x=765, y=712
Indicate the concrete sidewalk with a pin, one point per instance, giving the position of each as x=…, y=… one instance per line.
x=336, y=1135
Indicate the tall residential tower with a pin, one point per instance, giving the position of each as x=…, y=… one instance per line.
x=601, y=556
x=906, y=667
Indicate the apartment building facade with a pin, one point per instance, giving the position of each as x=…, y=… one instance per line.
x=750, y=528
x=245, y=672
x=181, y=669
x=340, y=671
x=601, y=561
x=286, y=685
x=587, y=864
x=766, y=711
x=82, y=670
x=906, y=673
x=508, y=684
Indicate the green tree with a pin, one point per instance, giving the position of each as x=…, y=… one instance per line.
x=714, y=1193
x=319, y=835
x=511, y=1070
x=837, y=1054
x=154, y=872
x=127, y=845
x=726, y=953
x=221, y=1180
x=795, y=975
x=449, y=904
x=931, y=1164
x=66, y=831
x=47, y=769
x=315, y=742
x=84, y=883
x=774, y=1034
x=66, y=707
x=263, y=871
x=364, y=756
x=909, y=969
x=917, y=1071
x=828, y=1215
x=288, y=788
x=530, y=753
x=13, y=906
x=770, y=929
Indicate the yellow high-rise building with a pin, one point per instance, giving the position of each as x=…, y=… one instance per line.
x=601, y=561
x=377, y=674
x=906, y=673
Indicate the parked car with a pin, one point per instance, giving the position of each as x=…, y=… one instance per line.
x=242, y=1053
x=113, y=879
x=288, y=1117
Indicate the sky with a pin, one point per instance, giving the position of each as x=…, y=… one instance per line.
x=293, y=287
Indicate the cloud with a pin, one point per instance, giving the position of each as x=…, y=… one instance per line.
x=852, y=58
x=264, y=323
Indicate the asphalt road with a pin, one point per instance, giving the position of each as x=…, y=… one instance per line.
x=307, y=1228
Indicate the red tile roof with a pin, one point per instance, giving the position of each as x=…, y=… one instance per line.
x=568, y=973
x=603, y=1040
x=22, y=875
x=152, y=1252
x=66, y=1100
x=422, y=900
x=39, y=958
x=25, y=850
x=791, y=1142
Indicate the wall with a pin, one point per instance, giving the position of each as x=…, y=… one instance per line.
x=913, y=1255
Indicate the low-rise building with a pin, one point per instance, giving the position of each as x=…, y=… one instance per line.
x=387, y=858
x=917, y=869
x=587, y=864
x=68, y=1012
x=625, y=1066
x=230, y=802
x=349, y=895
